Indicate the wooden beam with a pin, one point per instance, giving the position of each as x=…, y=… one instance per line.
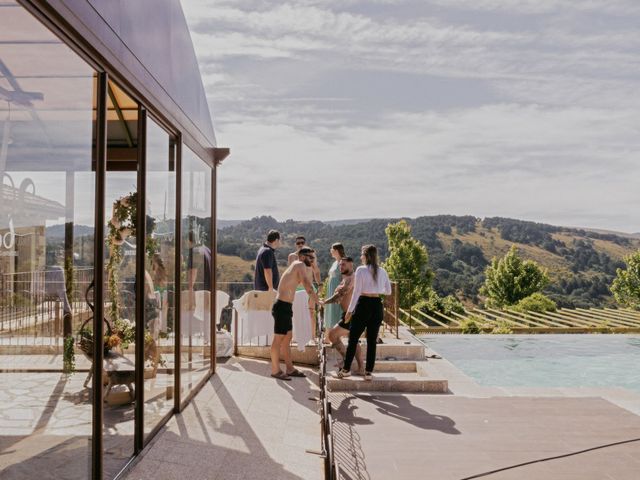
x=508, y=315
x=603, y=316
x=435, y=320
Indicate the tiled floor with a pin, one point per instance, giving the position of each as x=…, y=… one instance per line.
x=242, y=425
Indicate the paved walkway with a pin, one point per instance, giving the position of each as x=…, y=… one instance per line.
x=242, y=425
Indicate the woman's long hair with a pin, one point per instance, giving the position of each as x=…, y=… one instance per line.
x=370, y=253
x=338, y=247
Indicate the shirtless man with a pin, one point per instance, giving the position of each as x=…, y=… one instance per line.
x=313, y=272
x=342, y=294
x=282, y=311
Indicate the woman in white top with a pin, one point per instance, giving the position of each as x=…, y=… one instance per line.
x=365, y=310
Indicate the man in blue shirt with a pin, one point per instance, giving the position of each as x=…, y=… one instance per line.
x=266, y=277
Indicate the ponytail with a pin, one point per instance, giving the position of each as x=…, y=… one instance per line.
x=370, y=253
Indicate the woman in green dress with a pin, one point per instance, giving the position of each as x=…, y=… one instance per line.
x=333, y=311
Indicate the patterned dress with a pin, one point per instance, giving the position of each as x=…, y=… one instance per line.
x=333, y=311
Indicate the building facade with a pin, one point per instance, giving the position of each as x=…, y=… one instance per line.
x=107, y=232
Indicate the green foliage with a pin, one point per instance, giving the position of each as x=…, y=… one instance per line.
x=69, y=356
x=536, y=302
x=408, y=263
x=502, y=327
x=626, y=285
x=471, y=325
x=433, y=303
x=458, y=250
x=510, y=279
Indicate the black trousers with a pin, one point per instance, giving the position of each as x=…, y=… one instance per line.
x=367, y=315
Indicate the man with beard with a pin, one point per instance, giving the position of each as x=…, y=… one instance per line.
x=282, y=311
x=342, y=295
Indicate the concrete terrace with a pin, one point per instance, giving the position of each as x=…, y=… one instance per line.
x=243, y=424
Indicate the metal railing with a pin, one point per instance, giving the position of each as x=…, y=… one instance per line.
x=34, y=305
x=326, y=419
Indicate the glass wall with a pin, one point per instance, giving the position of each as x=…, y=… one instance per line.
x=160, y=254
x=196, y=271
x=119, y=392
x=46, y=251
x=47, y=242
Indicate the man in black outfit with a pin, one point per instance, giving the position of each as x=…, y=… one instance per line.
x=266, y=276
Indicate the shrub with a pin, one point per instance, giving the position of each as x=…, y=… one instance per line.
x=502, y=327
x=434, y=303
x=536, y=303
x=471, y=325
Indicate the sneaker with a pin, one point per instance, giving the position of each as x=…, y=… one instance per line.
x=368, y=376
x=342, y=373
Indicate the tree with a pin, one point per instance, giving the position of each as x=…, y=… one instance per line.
x=626, y=285
x=510, y=279
x=408, y=263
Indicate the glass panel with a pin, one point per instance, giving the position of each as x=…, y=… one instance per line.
x=159, y=281
x=120, y=276
x=46, y=251
x=195, y=314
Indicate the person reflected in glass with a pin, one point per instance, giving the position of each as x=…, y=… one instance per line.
x=199, y=278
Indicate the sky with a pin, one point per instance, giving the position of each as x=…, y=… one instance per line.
x=340, y=109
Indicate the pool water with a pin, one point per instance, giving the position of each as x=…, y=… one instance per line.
x=544, y=360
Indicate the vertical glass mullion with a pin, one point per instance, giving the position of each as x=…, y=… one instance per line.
x=177, y=330
x=98, y=262
x=141, y=236
x=213, y=247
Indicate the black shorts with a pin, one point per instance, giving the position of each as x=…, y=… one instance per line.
x=283, y=317
x=342, y=324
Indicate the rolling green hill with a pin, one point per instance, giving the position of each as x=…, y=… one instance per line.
x=581, y=263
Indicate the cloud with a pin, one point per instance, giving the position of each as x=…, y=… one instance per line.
x=358, y=109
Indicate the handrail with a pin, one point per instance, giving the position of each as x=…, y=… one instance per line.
x=326, y=418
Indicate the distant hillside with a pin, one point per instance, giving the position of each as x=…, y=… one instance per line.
x=57, y=231
x=581, y=262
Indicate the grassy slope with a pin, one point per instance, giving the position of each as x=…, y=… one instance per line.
x=494, y=246
x=233, y=269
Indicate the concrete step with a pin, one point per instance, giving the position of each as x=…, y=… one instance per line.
x=385, y=351
x=382, y=366
x=389, y=382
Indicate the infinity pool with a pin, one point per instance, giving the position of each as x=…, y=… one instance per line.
x=544, y=360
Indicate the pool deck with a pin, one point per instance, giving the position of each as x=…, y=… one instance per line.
x=477, y=429
x=245, y=425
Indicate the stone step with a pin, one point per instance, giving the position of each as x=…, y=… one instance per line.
x=382, y=366
x=385, y=351
x=389, y=382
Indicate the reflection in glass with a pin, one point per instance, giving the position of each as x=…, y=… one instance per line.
x=46, y=251
x=195, y=315
x=120, y=275
x=160, y=276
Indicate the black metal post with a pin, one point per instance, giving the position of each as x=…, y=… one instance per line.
x=214, y=266
x=141, y=237
x=98, y=264
x=177, y=296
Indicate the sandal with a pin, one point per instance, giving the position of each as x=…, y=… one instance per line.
x=368, y=376
x=295, y=373
x=281, y=376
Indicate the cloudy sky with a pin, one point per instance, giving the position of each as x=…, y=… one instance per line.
x=365, y=108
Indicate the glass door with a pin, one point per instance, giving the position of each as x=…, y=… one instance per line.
x=120, y=322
